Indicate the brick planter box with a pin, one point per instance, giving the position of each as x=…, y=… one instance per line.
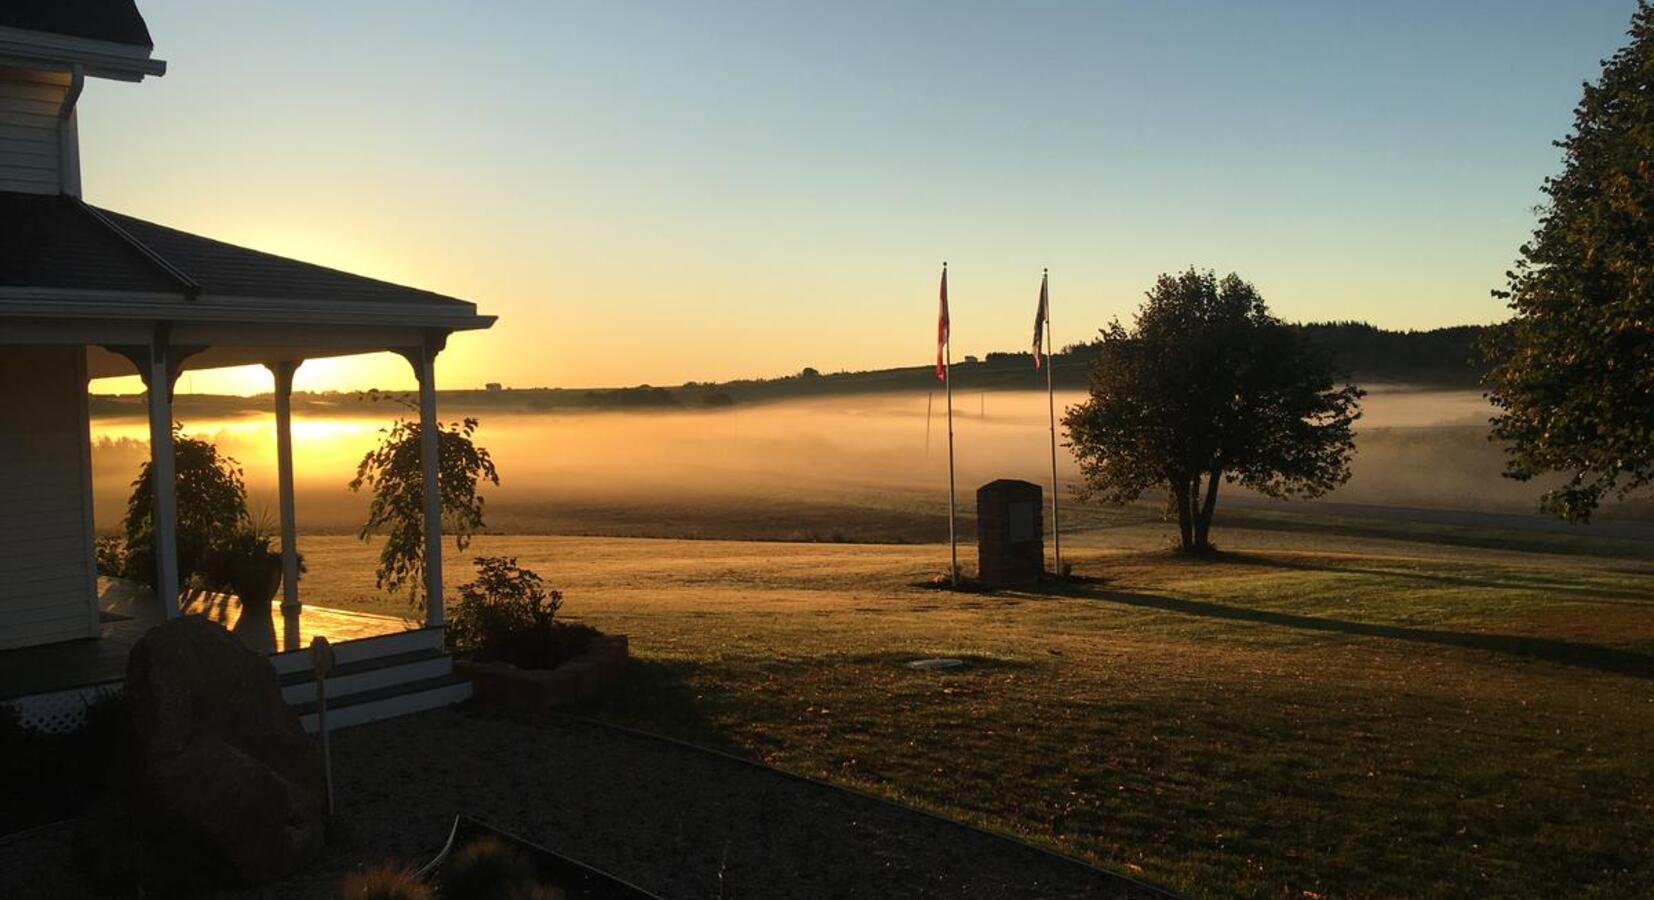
x=503, y=684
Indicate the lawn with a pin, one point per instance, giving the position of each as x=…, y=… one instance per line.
x=1312, y=715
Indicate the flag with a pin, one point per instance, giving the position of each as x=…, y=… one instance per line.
x=942, y=328
x=1041, y=317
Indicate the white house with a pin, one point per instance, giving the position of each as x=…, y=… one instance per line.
x=89, y=293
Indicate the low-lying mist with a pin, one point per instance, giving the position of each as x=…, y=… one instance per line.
x=857, y=467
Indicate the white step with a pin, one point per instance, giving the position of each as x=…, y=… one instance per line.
x=367, y=675
x=363, y=648
x=388, y=703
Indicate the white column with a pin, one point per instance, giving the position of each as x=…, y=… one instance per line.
x=290, y=605
x=433, y=491
x=163, y=475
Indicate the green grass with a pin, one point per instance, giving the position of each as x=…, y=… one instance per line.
x=1340, y=715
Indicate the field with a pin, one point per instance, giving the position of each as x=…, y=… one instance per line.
x=1415, y=689
x=1329, y=710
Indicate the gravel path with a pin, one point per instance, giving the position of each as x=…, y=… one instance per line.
x=674, y=820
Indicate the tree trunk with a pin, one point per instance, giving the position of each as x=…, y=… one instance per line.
x=1185, y=514
x=1203, y=516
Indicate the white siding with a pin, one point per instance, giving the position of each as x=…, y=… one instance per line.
x=48, y=586
x=31, y=134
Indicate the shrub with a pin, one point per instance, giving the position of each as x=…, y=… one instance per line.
x=508, y=615
x=385, y=883
x=211, y=497
x=484, y=869
x=110, y=553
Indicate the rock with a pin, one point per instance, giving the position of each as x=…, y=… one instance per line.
x=220, y=783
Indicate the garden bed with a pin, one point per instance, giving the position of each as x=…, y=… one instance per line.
x=499, y=683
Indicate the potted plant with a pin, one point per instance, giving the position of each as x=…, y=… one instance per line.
x=244, y=562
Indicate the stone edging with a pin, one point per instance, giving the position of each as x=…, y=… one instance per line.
x=503, y=684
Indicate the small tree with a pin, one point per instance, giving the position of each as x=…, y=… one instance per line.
x=393, y=471
x=1573, y=374
x=211, y=500
x=1207, y=387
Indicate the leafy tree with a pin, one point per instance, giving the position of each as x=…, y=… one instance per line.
x=1206, y=387
x=1574, y=368
x=211, y=500
x=395, y=475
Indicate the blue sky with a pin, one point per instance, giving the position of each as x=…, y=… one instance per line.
x=662, y=192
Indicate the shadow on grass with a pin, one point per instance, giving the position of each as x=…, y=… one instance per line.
x=1484, y=539
x=1569, y=653
x=660, y=696
x=1517, y=584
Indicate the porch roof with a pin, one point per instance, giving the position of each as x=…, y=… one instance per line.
x=61, y=258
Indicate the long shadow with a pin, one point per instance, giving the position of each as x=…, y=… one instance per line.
x=1522, y=542
x=1438, y=578
x=1569, y=653
x=658, y=696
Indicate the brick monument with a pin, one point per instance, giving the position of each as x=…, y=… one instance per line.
x=1010, y=533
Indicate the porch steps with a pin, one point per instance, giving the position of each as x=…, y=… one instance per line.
x=367, y=674
x=374, y=678
x=386, y=702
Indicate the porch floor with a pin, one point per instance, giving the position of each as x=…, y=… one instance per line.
x=128, y=613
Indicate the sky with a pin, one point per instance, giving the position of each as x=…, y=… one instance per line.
x=663, y=192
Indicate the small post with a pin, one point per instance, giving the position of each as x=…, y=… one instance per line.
x=321, y=662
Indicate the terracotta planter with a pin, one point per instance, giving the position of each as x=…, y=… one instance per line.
x=503, y=684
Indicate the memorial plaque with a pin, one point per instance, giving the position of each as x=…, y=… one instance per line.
x=1010, y=533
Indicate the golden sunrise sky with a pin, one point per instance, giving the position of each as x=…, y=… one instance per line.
x=654, y=193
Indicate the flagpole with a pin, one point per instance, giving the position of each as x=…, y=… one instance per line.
x=947, y=379
x=930, y=398
x=1051, y=403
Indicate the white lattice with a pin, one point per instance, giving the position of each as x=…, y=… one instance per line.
x=59, y=711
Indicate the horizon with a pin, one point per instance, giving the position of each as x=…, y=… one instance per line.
x=760, y=190
x=962, y=359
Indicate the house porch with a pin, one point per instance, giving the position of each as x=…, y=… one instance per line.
x=49, y=684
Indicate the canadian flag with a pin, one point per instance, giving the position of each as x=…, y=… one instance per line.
x=1042, y=316
x=942, y=328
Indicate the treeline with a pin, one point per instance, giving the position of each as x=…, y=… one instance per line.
x=1438, y=357
x=1441, y=357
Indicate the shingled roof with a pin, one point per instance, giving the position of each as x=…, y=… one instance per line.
x=116, y=21
x=53, y=244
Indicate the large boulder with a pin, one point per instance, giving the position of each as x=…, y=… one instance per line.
x=219, y=784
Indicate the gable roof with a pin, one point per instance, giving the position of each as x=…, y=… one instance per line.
x=115, y=21
x=59, y=256
x=222, y=269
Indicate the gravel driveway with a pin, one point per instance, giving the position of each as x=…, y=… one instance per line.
x=674, y=820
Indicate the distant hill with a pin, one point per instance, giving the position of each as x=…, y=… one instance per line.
x=1439, y=358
